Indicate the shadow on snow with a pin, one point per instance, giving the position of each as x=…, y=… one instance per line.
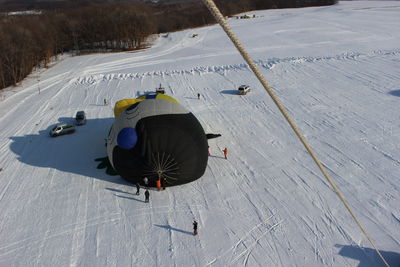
x=168, y=227
x=73, y=153
x=229, y=92
x=368, y=256
x=120, y=191
x=395, y=92
x=130, y=198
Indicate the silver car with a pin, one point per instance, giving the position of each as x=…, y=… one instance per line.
x=61, y=129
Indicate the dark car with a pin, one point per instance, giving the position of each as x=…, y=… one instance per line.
x=80, y=118
x=61, y=129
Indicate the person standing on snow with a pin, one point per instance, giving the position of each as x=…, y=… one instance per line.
x=225, y=152
x=146, y=182
x=198, y=96
x=137, y=188
x=158, y=184
x=194, y=228
x=147, y=196
x=164, y=183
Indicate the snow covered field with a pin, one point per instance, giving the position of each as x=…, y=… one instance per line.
x=337, y=70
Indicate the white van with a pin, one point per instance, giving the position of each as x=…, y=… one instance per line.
x=243, y=89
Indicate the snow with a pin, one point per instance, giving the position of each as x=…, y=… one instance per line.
x=335, y=68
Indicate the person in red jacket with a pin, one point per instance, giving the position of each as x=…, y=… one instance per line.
x=225, y=152
x=158, y=183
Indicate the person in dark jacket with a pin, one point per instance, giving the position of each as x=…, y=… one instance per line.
x=137, y=189
x=194, y=228
x=147, y=195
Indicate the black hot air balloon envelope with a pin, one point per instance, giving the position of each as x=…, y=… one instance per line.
x=154, y=136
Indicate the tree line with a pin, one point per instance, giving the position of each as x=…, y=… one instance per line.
x=32, y=40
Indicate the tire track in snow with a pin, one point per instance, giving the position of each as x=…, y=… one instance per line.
x=254, y=208
x=88, y=223
x=251, y=246
x=241, y=240
x=23, y=96
x=323, y=210
x=79, y=232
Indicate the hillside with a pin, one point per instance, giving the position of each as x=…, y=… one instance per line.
x=335, y=68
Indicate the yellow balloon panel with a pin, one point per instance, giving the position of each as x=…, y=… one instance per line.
x=123, y=104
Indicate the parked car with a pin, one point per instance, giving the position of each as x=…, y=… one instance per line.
x=61, y=129
x=243, y=89
x=80, y=118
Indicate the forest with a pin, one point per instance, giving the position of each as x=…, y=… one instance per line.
x=31, y=40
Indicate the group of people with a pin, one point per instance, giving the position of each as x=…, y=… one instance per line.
x=147, y=196
x=160, y=183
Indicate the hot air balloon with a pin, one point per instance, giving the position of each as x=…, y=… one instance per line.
x=154, y=136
